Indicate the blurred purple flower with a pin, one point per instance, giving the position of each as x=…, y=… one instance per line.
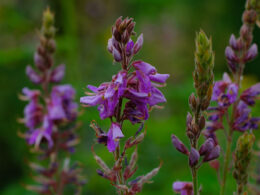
x=184, y=188
x=179, y=145
x=33, y=112
x=33, y=75
x=57, y=74
x=36, y=136
x=61, y=106
x=243, y=121
x=250, y=95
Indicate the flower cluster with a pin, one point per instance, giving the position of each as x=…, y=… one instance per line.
x=137, y=85
x=50, y=115
x=225, y=94
x=203, y=82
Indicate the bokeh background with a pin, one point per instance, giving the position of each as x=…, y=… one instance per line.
x=84, y=27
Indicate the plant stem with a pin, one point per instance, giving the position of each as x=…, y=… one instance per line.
x=226, y=163
x=195, y=180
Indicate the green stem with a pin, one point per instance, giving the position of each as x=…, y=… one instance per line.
x=195, y=180
x=226, y=163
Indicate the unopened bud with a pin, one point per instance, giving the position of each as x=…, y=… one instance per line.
x=251, y=53
x=193, y=157
x=206, y=147
x=213, y=154
x=179, y=145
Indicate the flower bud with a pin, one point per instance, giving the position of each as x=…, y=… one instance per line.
x=233, y=42
x=192, y=102
x=117, y=55
x=206, y=147
x=129, y=48
x=179, y=145
x=251, y=53
x=202, y=122
x=213, y=154
x=194, y=157
x=33, y=76
x=110, y=45
x=57, y=74
x=139, y=43
x=230, y=55
x=39, y=62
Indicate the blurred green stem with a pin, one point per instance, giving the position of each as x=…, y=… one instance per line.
x=195, y=180
x=226, y=163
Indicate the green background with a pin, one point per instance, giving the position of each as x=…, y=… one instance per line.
x=84, y=26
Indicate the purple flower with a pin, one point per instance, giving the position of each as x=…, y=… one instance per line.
x=38, y=135
x=136, y=111
x=250, y=94
x=106, y=95
x=113, y=136
x=179, y=145
x=33, y=76
x=184, y=188
x=142, y=83
x=33, y=112
x=225, y=92
x=57, y=74
x=61, y=106
x=243, y=121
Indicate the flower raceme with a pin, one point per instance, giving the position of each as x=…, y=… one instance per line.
x=130, y=95
x=139, y=87
x=225, y=93
x=50, y=116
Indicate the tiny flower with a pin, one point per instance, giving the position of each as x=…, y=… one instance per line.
x=139, y=43
x=33, y=112
x=251, y=53
x=194, y=157
x=250, y=94
x=36, y=137
x=184, y=188
x=61, y=106
x=33, y=76
x=179, y=145
x=113, y=136
x=57, y=74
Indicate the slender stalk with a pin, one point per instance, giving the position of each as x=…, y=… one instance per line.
x=226, y=163
x=195, y=180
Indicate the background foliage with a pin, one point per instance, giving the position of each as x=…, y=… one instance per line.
x=83, y=30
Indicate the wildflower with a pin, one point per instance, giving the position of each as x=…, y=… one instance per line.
x=184, y=188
